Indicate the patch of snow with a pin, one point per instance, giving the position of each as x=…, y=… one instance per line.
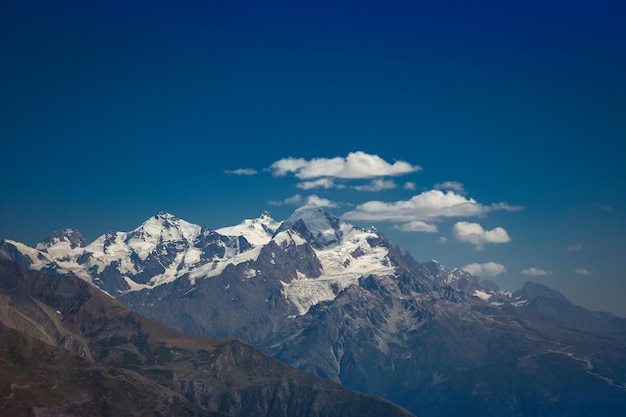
x=216, y=267
x=191, y=290
x=305, y=292
x=59, y=249
x=39, y=260
x=134, y=286
x=482, y=295
x=257, y=232
x=192, y=257
x=520, y=303
x=287, y=238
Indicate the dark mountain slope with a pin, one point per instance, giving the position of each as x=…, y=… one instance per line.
x=224, y=376
x=38, y=379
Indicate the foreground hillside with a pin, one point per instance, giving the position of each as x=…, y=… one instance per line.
x=67, y=348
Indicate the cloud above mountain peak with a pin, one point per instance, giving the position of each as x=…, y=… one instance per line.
x=356, y=165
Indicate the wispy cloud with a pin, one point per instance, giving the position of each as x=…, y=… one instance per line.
x=535, y=272
x=475, y=234
x=289, y=201
x=575, y=247
x=376, y=185
x=409, y=185
x=417, y=226
x=241, y=171
x=319, y=183
x=604, y=207
x=355, y=165
x=583, y=271
x=485, y=270
x=299, y=200
x=455, y=186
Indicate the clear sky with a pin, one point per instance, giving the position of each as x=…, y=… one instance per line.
x=485, y=135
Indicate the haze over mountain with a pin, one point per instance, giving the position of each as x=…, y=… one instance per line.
x=344, y=303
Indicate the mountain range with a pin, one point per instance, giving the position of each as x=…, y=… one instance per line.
x=346, y=304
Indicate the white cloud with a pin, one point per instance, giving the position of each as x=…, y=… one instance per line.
x=430, y=205
x=417, y=226
x=605, y=207
x=322, y=202
x=376, y=185
x=242, y=171
x=583, y=271
x=319, y=183
x=355, y=165
x=475, y=234
x=299, y=200
x=485, y=270
x=575, y=247
x=451, y=185
x=293, y=200
x=409, y=185
x=535, y=272
x=442, y=240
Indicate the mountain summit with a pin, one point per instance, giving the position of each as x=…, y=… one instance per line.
x=73, y=238
x=346, y=304
x=315, y=224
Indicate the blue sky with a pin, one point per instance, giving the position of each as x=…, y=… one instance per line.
x=493, y=132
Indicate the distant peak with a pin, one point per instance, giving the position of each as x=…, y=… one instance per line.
x=323, y=227
x=532, y=290
x=165, y=215
x=310, y=211
x=74, y=237
x=265, y=215
x=164, y=219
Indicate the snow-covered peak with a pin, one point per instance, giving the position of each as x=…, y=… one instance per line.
x=23, y=254
x=257, y=231
x=353, y=253
x=322, y=226
x=69, y=237
x=532, y=290
x=163, y=227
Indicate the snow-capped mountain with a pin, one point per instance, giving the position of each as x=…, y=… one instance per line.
x=159, y=251
x=165, y=248
x=344, y=303
x=256, y=231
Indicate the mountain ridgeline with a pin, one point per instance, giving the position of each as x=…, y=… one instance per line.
x=346, y=304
